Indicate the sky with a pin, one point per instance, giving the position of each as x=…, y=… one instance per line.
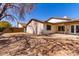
x=44, y=11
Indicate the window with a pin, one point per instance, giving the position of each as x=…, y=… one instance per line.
x=72, y=29
x=61, y=28
x=48, y=27
x=77, y=29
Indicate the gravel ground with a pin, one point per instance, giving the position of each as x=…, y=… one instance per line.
x=53, y=45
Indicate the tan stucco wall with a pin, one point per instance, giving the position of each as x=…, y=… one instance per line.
x=67, y=27
x=49, y=31
x=34, y=27
x=41, y=27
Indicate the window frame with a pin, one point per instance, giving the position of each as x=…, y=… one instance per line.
x=48, y=27
x=76, y=29
x=72, y=29
x=61, y=28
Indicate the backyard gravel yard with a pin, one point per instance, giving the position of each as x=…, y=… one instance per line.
x=62, y=36
x=31, y=45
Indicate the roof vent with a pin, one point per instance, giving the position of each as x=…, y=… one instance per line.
x=65, y=17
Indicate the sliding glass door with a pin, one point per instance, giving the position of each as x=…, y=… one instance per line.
x=77, y=28
x=72, y=29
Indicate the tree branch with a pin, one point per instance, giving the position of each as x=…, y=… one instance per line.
x=6, y=16
x=4, y=9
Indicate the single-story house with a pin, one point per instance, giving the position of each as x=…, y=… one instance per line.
x=22, y=25
x=53, y=25
x=38, y=27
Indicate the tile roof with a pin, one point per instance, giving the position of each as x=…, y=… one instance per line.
x=58, y=18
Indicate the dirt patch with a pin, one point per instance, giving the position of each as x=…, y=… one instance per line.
x=38, y=45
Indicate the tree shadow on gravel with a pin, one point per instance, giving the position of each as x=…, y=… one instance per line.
x=42, y=46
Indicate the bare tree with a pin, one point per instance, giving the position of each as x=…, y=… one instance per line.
x=15, y=10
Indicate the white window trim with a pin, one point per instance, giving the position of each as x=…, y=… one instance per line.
x=74, y=29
